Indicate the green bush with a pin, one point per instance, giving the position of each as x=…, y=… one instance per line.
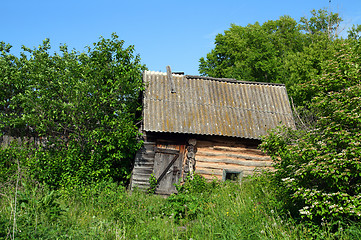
x=191, y=199
x=83, y=106
x=12, y=158
x=318, y=170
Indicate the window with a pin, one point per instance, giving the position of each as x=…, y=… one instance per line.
x=232, y=175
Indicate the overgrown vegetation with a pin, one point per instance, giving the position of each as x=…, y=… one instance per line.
x=318, y=165
x=77, y=116
x=80, y=107
x=202, y=210
x=319, y=169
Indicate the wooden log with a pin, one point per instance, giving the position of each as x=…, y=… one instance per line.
x=209, y=172
x=236, y=149
x=192, y=142
x=205, y=144
x=240, y=151
x=214, y=143
x=241, y=162
x=232, y=155
x=202, y=165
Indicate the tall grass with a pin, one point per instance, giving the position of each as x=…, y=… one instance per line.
x=201, y=210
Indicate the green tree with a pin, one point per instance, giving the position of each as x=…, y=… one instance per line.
x=85, y=106
x=354, y=32
x=254, y=52
x=322, y=22
x=319, y=169
x=12, y=84
x=281, y=51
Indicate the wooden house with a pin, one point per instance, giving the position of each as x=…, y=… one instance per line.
x=204, y=125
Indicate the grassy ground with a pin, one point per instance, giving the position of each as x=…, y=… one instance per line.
x=107, y=211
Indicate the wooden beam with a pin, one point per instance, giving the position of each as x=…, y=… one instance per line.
x=210, y=166
x=170, y=79
x=237, y=162
x=201, y=152
x=166, y=151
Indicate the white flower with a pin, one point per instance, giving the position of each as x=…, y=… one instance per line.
x=304, y=212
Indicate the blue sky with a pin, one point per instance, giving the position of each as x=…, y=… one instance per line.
x=175, y=33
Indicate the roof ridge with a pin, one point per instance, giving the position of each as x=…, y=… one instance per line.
x=233, y=80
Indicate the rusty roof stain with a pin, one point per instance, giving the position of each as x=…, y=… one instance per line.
x=213, y=106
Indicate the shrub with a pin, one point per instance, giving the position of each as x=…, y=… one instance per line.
x=319, y=170
x=84, y=107
x=191, y=199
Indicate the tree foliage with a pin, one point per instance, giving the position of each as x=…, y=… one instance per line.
x=280, y=51
x=253, y=52
x=83, y=105
x=318, y=165
x=322, y=22
x=319, y=170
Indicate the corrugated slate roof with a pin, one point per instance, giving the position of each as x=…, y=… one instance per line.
x=213, y=106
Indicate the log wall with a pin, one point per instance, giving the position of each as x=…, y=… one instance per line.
x=214, y=155
x=210, y=155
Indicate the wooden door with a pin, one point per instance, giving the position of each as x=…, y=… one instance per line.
x=168, y=165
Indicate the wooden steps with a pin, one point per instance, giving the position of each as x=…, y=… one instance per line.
x=143, y=166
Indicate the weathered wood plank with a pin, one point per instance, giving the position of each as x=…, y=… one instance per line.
x=149, y=154
x=215, y=172
x=140, y=182
x=241, y=154
x=170, y=79
x=212, y=143
x=145, y=164
x=141, y=176
x=149, y=147
x=166, y=151
x=140, y=186
x=227, y=166
x=140, y=179
x=232, y=156
x=241, y=162
x=145, y=159
x=144, y=170
x=237, y=149
x=211, y=174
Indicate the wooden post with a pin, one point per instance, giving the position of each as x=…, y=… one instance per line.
x=190, y=162
x=170, y=79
